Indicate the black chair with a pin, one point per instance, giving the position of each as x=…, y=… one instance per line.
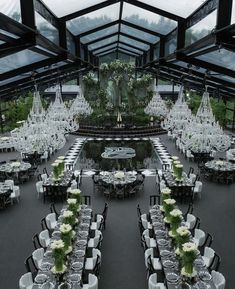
x=36, y=241
x=209, y=240
x=45, y=171
x=191, y=170
x=189, y=210
x=53, y=209
x=141, y=227
x=154, y=200
x=139, y=211
x=30, y=266
x=215, y=264
x=104, y=214
x=39, y=178
x=96, y=269
x=86, y=200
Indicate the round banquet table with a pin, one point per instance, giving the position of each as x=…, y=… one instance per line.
x=14, y=167
x=223, y=166
x=220, y=171
x=114, y=179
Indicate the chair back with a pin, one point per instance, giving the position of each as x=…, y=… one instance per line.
x=92, y=281
x=215, y=263
x=30, y=265
x=86, y=200
x=36, y=241
x=154, y=200
x=51, y=220
x=218, y=279
x=44, y=177
x=38, y=257
x=152, y=282
x=44, y=238
x=26, y=281
x=53, y=209
x=139, y=211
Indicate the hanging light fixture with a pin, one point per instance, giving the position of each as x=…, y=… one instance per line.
x=157, y=106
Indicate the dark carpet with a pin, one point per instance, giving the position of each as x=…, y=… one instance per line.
x=122, y=255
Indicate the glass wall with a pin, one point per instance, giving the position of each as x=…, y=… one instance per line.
x=70, y=44
x=170, y=45
x=46, y=29
x=201, y=29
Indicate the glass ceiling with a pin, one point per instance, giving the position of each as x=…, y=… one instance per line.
x=182, y=8
x=100, y=33
x=130, y=48
x=11, y=8
x=102, y=42
x=105, y=48
x=220, y=57
x=19, y=59
x=94, y=19
x=60, y=8
x=133, y=42
x=135, y=32
x=147, y=19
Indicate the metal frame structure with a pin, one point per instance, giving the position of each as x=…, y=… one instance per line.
x=180, y=64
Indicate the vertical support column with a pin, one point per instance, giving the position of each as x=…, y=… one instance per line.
x=62, y=34
x=162, y=48
x=181, y=34
x=224, y=13
x=27, y=13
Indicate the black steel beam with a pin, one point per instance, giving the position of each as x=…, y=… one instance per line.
x=101, y=38
x=201, y=12
x=154, y=10
x=98, y=28
x=128, y=46
x=128, y=51
x=105, y=51
x=104, y=46
x=120, y=18
x=224, y=13
x=89, y=9
x=46, y=13
x=136, y=38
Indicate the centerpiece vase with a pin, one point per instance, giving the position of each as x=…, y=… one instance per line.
x=58, y=256
x=66, y=238
x=70, y=220
x=179, y=172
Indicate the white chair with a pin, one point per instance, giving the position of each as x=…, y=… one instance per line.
x=44, y=157
x=44, y=177
x=91, y=262
x=155, y=261
x=190, y=221
x=199, y=237
x=39, y=188
x=208, y=256
x=198, y=188
x=92, y=282
x=192, y=178
x=145, y=222
x=26, y=281
x=15, y=195
x=150, y=242
x=153, y=284
x=38, y=257
x=44, y=238
x=93, y=242
x=162, y=185
x=51, y=221
x=189, y=155
x=218, y=279
x=99, y=221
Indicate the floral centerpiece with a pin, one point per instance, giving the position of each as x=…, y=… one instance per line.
x=119, y=175
x=76, y=194
x=69, y=218
x=168, y=206
x=56, y=171
x=73, y=205
x=166, y=192
x=189, y=254
x=58, y=256
x=66, y=236
x=15, y=164
x=219, y=163
x=174, y=164
x=182, y=236
x=175, y=221
x=179, y=171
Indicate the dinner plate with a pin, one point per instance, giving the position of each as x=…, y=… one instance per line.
x=81, y=243
x=162, y=242
x=165, y=253
x=204, y=276
x=77, y=266
x=172, y=277
x=41, y=278
x=168, y=264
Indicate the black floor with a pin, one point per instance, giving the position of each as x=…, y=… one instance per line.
x=122, y=256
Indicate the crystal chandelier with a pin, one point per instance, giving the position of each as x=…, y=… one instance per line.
x=60, y=116
x=157, y=106
x=37, y=134
x=80, y=106
x=203, y=133
x=179, y=116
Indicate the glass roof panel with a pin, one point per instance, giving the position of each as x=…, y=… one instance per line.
x=125, y=52
x=147, y=19
x=11, y=8
x=220, y=57
x=107, y=52
x=233, y=13
x=138, y=33
x=102, y=42
x=133, y=42
x=100, y=33
x=94, y=19
x=129, y=48
x=227, y=78
x=182, y=8
x=19, y=59
x=46, y=29
x=9, y=34
x=201, y=29
x=8, y=80
x=60, y=8
x=106, y=48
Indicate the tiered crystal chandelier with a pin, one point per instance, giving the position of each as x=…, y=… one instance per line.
x=179, y=116
x=80, y=106
x=60, y=116
x=203, y=133
x=37, y=134
x=157, y=106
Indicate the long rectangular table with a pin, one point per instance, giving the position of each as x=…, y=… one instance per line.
x=168, y=257
x=76, y=259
